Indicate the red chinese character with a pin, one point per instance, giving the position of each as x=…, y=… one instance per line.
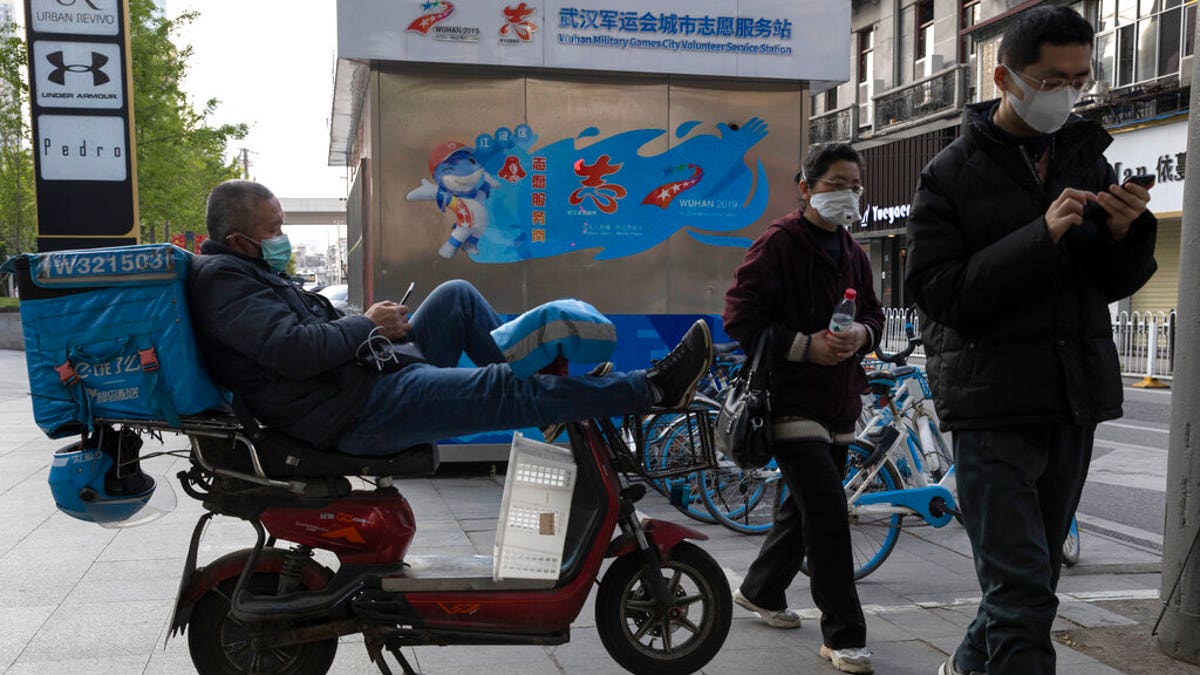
x=539, y=163
x=517, y=23
x=603, y=195
x=539, y=181
x=539, y=217
x=539, y=235
x=539, y=199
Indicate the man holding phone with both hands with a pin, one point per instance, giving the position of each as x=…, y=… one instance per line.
x=1019, y=238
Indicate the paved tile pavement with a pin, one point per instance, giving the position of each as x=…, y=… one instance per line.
x=76, y=598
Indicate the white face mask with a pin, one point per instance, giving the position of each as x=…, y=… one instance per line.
x=837, y=208
x=1043, y=111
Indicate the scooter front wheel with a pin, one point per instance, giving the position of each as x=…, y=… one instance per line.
x=645, y=637
x=221, y=645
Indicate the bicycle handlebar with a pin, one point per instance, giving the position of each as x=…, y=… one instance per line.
x=901, y=358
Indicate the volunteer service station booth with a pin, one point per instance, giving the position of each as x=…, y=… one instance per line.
x=622, y=152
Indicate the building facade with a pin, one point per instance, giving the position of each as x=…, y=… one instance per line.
x=915, y=64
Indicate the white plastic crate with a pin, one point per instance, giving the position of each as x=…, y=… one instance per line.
x=532, y=529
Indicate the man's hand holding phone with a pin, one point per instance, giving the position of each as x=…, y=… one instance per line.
x=1125, y=203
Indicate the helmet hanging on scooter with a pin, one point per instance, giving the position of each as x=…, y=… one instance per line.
x=90, y=484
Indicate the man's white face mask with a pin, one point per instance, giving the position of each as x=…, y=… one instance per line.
x=837, y=208
x=1043, y=111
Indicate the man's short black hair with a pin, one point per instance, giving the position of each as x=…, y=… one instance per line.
x=230, y=207
x=821, y=157
x=1044, y=25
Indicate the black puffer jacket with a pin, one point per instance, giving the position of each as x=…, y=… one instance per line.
x=1017, y=328
x=288, y=353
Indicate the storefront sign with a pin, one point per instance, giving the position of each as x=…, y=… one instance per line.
x=81, y=98
x=1160, y=151
x=784, y=39
x=78, y=74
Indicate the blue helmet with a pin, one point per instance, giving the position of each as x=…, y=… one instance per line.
x=86, y=487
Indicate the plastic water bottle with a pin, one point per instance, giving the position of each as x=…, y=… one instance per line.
x=844, y=313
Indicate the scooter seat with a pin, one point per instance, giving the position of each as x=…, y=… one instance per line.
x=227, y=444
x=223, y=441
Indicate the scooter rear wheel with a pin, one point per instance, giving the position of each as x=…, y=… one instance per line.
x=647, y=639
x=220, y=644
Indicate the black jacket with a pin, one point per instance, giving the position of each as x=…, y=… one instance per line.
x=789, y=283
x=1017, y=328
x=288, y=353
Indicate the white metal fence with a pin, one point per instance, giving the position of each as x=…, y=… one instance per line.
x=1145, y=341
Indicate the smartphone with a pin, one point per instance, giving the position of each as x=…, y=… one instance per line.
x=411, y=285
x=1143, y=179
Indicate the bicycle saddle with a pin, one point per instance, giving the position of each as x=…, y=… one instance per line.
x=881, y=382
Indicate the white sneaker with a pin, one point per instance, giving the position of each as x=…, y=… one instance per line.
x=782, y=618
x=850, y=660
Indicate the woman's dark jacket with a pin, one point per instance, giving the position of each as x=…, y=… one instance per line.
x=288, y=353
x=788, y=282
x=1017, y=328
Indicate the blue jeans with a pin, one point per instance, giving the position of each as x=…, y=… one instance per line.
x=426, y=402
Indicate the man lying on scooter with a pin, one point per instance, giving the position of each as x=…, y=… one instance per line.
x=296, y=362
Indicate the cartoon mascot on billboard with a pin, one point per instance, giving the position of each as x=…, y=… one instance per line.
x=462, y=186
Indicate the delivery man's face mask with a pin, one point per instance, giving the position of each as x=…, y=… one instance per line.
x=276, y=251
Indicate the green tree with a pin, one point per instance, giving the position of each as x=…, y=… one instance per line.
x=180, y=157
x=17, y=208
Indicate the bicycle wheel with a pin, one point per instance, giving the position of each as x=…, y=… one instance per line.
x=674, y=443
x=872, y=536
x=743, y=500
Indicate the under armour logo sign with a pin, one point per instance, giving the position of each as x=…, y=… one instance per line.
x=68, y=3
x=58, y=76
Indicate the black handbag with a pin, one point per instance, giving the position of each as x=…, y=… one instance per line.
x=743, y=429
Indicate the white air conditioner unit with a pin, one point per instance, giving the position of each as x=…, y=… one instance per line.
x=927, y=66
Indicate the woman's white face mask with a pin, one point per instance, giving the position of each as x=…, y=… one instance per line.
x=837, y=208
x=1043, y=111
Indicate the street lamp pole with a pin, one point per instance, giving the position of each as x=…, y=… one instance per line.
x=1179, y=627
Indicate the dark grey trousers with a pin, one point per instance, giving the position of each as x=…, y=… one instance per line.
x=1018, y=490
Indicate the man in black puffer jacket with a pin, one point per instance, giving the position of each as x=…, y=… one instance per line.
x=1018, y=240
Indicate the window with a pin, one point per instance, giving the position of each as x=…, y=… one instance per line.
x=1142, y=40
x=924, y=24
x=866, y=76
x=986, y=58
x=972, y=13
x=831, y=102
x=1189, y=30
x=866, y=48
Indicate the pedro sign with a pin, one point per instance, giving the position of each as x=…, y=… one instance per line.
x=82, y=106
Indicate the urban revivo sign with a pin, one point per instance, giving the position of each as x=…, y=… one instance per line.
x=75, y=17
x=80, y=102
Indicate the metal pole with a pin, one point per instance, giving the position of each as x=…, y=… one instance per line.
x=1179, y=634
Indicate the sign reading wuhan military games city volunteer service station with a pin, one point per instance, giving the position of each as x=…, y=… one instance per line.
x=82, y=110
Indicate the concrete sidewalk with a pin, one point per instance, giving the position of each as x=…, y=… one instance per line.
x=76, y=598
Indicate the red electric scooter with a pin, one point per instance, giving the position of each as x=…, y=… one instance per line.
x=663, y=606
